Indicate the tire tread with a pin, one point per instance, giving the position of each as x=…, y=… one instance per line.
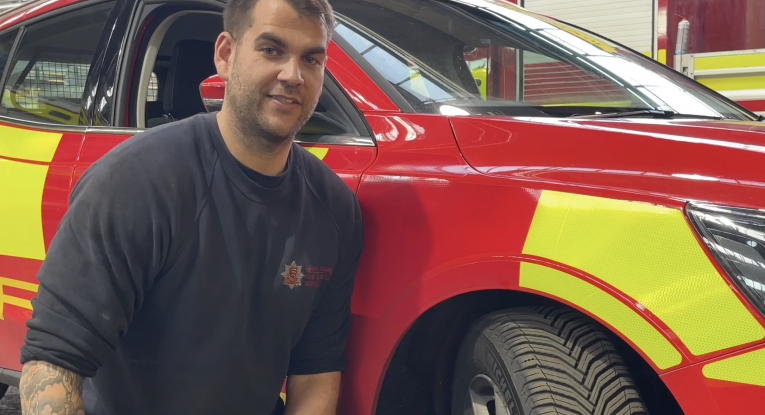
x=566, y=362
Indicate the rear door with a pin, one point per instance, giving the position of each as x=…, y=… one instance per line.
x=45, y=64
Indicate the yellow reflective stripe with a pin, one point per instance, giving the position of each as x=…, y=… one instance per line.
x=19, y=302
x=734, y=83
x=662, y=56
x=649, y=253
x=746, y=368
x=729, y=61
x=21, y=191
x=606, y=307
x=27, y=144
x=319, y=152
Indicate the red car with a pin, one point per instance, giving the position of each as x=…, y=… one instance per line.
x=553, y=221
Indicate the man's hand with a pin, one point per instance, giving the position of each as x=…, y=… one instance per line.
x=313, y=394
x=49, y=389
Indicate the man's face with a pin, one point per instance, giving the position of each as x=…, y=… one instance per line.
x=274, y=72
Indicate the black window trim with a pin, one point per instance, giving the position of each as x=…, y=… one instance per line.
x=6, y=71
x=358, y=120
x=111, y=58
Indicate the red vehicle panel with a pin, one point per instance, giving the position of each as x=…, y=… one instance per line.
x=42, y=168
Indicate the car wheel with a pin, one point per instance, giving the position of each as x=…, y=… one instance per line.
x=3, y=389
x=541, y=360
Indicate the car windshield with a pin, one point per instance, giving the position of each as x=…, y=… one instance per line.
x=461, y=57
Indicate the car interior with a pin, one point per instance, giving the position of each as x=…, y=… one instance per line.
x=179, y=56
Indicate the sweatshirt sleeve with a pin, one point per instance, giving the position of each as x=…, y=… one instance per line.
x=322, y=346
x=109, y=246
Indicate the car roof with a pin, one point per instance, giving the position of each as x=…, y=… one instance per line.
x=20, y=10
x=7, y=6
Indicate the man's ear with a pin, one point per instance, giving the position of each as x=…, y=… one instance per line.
x=225, y=48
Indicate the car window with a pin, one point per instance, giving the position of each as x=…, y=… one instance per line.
x=487, y=57
x=47, y=74
x=153, y=91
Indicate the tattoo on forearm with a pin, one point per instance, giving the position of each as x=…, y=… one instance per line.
x=49, y=389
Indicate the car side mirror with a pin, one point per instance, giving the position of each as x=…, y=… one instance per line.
x=213, y=89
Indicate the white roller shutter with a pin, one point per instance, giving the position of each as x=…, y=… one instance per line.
x=629, y=22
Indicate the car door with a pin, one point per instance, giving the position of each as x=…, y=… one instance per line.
x=44, y=62
x=170, y=47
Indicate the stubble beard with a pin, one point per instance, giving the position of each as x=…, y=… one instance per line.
x=247, y=109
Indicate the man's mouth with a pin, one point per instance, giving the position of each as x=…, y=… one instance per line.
x=285, y=100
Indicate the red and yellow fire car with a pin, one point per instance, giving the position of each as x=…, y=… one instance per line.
x=553, y=221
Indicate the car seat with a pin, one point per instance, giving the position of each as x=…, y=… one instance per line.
x=190, y=64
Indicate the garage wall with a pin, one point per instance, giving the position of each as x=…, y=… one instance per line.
x=629, y=22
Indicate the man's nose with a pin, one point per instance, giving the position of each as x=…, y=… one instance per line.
x=290, y=72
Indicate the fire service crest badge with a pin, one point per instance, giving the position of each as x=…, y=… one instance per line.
x=293, y=275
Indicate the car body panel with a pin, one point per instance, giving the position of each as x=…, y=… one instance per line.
x=677, y=160
x=698, y=391
x=37, y=8
x=36, y=168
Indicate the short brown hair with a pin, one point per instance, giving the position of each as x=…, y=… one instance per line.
x=237, y=16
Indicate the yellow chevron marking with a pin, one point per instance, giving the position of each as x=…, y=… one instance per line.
x=319, y=152
x=31, y=145
x=601, y=304
x=649, y=253
x=21, y=191
x=746, y=368
x=18, y=302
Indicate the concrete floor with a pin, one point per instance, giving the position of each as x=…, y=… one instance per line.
x=10, y=404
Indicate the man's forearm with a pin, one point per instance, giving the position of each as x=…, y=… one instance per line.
x=313, y=394
x=49, y=389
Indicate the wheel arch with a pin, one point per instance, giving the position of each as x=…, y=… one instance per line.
x=418, y=378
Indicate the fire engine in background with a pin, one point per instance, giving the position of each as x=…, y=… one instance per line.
x=724, y=46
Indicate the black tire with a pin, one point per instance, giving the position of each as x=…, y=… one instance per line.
x=541, y=360
x=3, y=389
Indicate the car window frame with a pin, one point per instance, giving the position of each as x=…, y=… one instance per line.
x=22, y=27
x=135, y=38
x=6, y=70
x=127, y=109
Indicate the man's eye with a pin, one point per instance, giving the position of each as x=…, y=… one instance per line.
x=311, y=61
x=269, y=51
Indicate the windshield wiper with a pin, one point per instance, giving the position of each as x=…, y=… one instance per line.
x=654, y=113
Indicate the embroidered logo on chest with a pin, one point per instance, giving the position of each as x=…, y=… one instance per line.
x=293, y=275
x=313, y=277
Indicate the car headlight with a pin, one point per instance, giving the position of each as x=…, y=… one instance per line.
x=736, y=238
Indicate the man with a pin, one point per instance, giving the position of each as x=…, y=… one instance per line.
x=203, y=261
